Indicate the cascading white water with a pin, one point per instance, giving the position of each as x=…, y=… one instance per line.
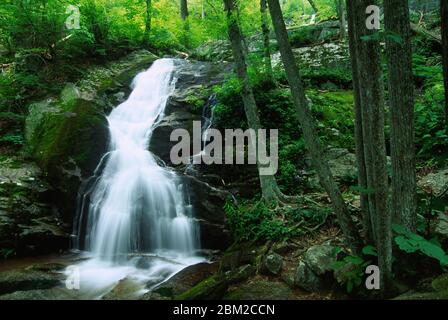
x=136, y=206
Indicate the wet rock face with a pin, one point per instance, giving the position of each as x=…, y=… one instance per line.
x=193, y=87
x=202, y=184
x=182, y=281
x=207, y=203
x=28, y=225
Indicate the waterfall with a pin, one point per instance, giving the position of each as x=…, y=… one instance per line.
x=207, y=123
x=135, y=208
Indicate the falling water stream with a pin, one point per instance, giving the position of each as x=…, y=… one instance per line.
x=133, y=221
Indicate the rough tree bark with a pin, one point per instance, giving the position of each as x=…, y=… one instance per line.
x=184, y=16
x=359, y=140
x=183, y=9
x=309, y=132
x=370, y=80
x=401, y=104
x=342, y=19
x=444, y=17
x=270, y=190
x=148, y=21
x=266, y=41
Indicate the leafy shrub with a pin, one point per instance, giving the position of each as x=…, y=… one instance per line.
x=354, y=267
x=15, y=138
x=410, y=242
x=321, y=77
x=430, y=127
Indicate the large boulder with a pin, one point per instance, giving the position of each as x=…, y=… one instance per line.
x=28, y=225
x=438, y=291
x=12, y=281
x=313, y=271
x=313, y=33
x=306, y=279
x=435, y=183
x=320, y=258
x=342, y=164
x=67, y=138
x=439, y=226
x=182, y=281
x=272, y=264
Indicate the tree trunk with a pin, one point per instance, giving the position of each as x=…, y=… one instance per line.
x=266, y=41
x=183, y=9
x=184, y=16
x=401, y=104
x=444, y=17
x=148, y=21
x=313, y=5
x=342, y=20
x=203, y=14
x=359, y=140
x=309, y=132
x=370, y=80
x=268, y=183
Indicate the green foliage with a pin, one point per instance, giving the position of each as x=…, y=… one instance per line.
x=198, y=99
x=334, y=110
x=339, y=77
x=352, y=267
x=291, y=157
x=15, y=138
x=383, y=35
x=5, y=253
x=431, y=134
x=410, y=242
x=249, y=221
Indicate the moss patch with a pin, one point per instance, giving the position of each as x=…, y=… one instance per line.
x=211, y=288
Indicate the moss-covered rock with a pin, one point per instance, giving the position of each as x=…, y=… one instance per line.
x=439, y=287
x=67, y=139
x=209, y=289
x=12, y=281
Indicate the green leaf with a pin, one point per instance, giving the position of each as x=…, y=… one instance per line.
x=349, y=286
x=369, y=251
x=354, y=259
x=410, y=242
